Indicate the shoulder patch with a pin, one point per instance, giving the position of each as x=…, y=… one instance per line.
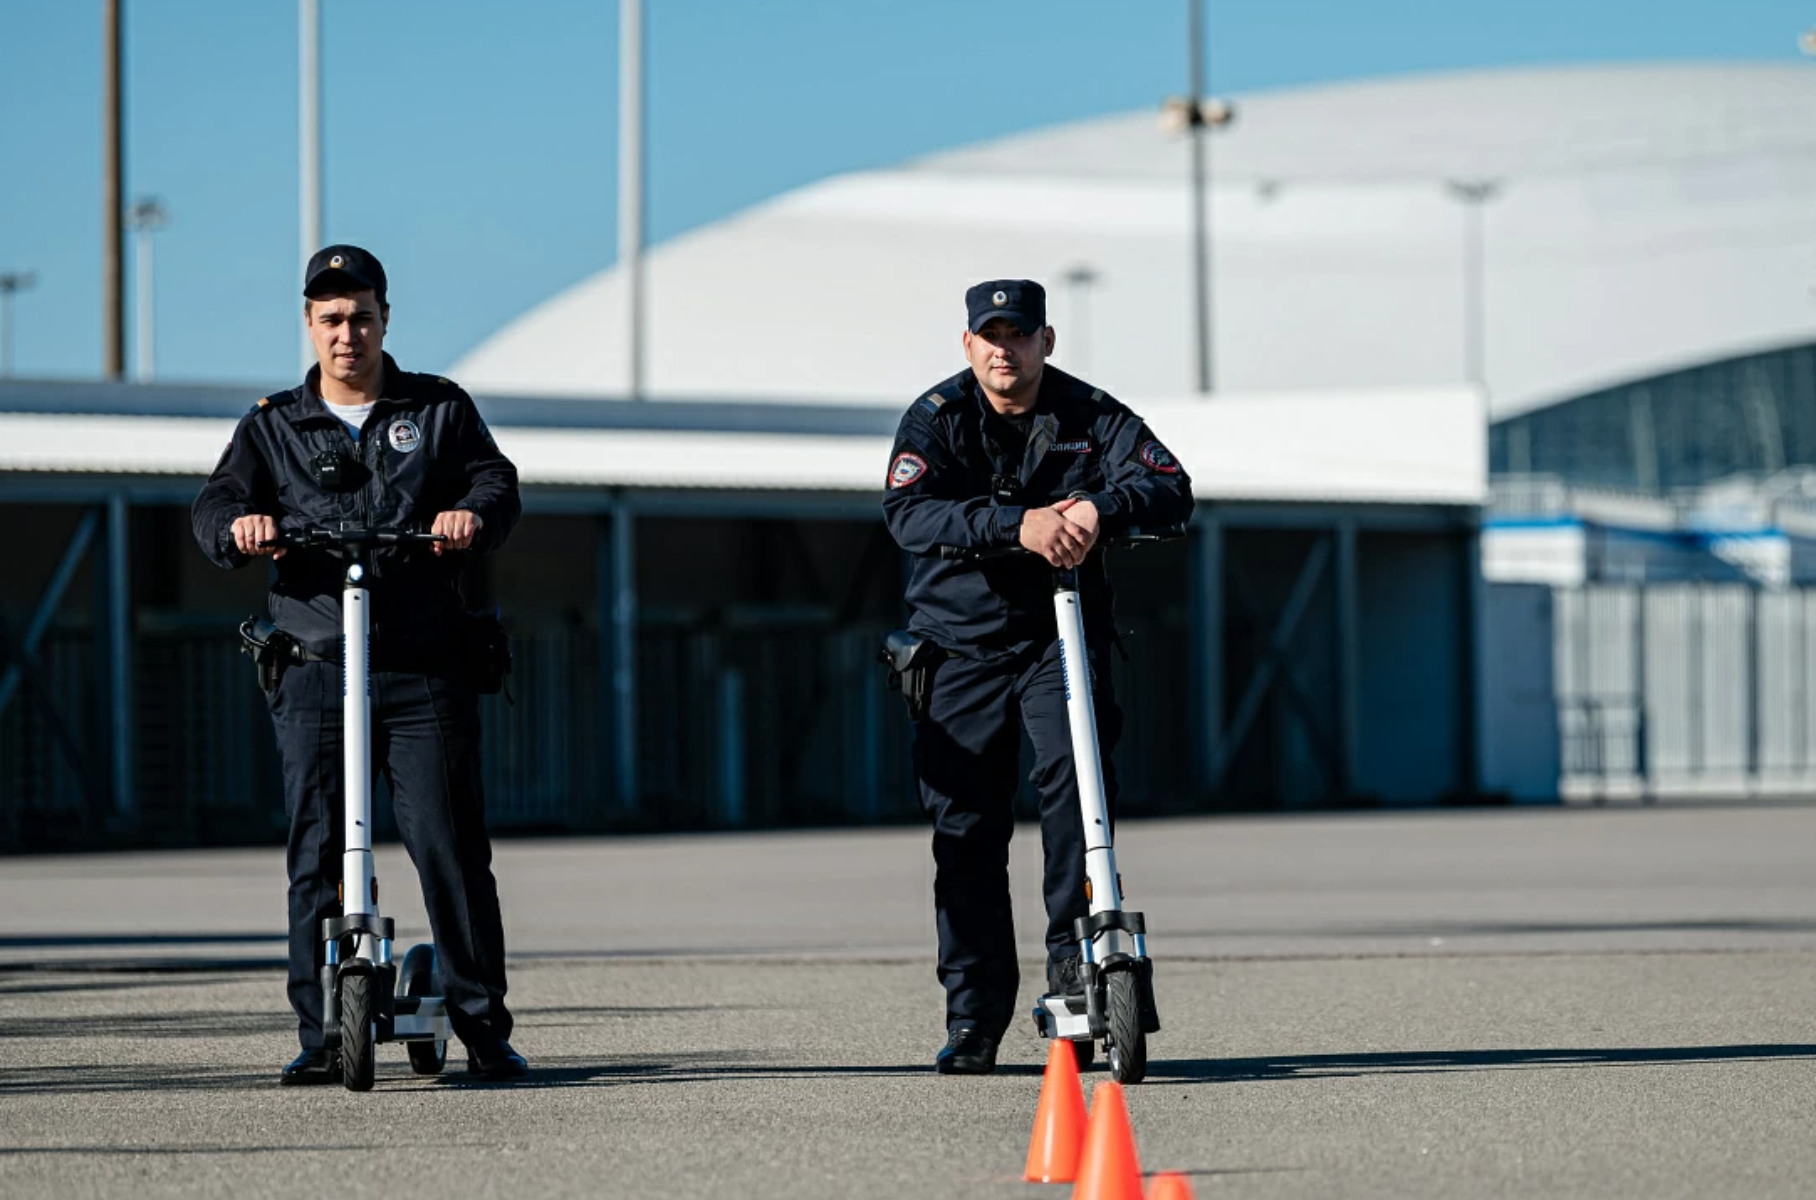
x=906, y=468
x=1156, y=457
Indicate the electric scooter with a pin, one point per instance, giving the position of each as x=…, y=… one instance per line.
x=367, y=999
x=1117, y=1006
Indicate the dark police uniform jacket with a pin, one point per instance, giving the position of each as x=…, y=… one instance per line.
x=422, y=451
x=953, y=482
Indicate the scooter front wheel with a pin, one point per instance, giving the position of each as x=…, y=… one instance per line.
x=356, y=1032
x=1126, y=1044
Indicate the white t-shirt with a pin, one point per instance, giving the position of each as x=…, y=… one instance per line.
x=353, y=414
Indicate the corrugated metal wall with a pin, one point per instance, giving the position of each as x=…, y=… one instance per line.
x=1686, y=688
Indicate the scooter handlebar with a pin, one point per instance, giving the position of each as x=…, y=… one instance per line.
x=1128, y=538
x=317, y=536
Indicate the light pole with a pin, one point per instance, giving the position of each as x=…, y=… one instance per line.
x=1474, y=195
x=630, y=186
x=11, y=282
x=1078, y=280
x=1196, y=114
x=309, y=139
x=113, y=303
x=144, y=218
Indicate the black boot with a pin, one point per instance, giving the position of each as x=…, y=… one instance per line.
x=316, y=1066
x=495, y=1059
x=967, y=1052
x=1065, y=977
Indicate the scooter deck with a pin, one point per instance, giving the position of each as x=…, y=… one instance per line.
x=420, y=1019
x=1063, y=1017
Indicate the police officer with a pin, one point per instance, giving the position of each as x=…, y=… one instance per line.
x=362, y=442
x=1011, y=451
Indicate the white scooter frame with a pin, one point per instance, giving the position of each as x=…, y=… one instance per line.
x=1117, y=1005
x=366, y=998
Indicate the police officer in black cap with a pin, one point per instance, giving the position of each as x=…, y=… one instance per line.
x=362, y=442
x=1011, y=451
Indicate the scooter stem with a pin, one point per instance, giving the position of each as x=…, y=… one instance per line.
x=357, y=871
x=1081, y=714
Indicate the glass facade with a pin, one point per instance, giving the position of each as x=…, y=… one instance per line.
x=1755, y=414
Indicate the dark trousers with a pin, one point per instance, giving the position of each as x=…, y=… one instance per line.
x=425, y=739
x=966, y=754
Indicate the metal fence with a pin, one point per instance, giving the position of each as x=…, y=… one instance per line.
x=746, y=719
x=1686, y=689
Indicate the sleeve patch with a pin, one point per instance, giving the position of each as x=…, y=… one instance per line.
x=1157, y=457
x=906, y=469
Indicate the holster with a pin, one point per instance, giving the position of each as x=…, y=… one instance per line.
x=488, y=651
x=911, y=662
x=271, y=650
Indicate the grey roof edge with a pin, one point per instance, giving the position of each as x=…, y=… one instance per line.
x=100, y=398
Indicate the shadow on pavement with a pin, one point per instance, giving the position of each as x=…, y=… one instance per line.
x=567, y=1072
x=147, y=1025
x=47, y=941
x=310, y=1148
x=1449, y=929
x=1425, y=1062
x=69, y=1078
x=29, y=984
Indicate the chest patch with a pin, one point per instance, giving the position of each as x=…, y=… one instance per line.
x=1081, y=446
x=403, y=435
x=906, y=469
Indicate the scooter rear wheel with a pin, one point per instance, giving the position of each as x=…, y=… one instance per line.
x=356, y=1032
x=418, y=977
x=1126, y=1044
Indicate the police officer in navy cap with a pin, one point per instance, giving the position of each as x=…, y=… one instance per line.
x=364, y=442
x=1010, y=451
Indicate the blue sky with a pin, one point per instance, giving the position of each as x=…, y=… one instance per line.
x=472, y=145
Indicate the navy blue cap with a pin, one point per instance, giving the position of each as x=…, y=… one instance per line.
x=1021, y=301
x=336, y=270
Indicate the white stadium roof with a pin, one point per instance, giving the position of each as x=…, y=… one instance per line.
x=1650, y=217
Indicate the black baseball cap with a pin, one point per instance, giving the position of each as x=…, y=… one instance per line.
x=1021, y=301
x=336, y=270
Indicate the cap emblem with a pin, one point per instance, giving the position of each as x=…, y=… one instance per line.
x=1000, y=298
x=337, y=261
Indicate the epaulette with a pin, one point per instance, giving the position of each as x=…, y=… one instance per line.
x=939, y=397
x=274, y=400
x=439, y=385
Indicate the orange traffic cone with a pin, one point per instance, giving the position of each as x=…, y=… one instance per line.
x=1108, y=1170
x=1059, y=1119
x=1170, y=1185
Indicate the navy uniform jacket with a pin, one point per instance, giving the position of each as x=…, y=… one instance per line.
x=951, y=482
x=422, y=451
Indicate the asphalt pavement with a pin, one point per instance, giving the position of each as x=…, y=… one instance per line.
x=1502, y=1003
